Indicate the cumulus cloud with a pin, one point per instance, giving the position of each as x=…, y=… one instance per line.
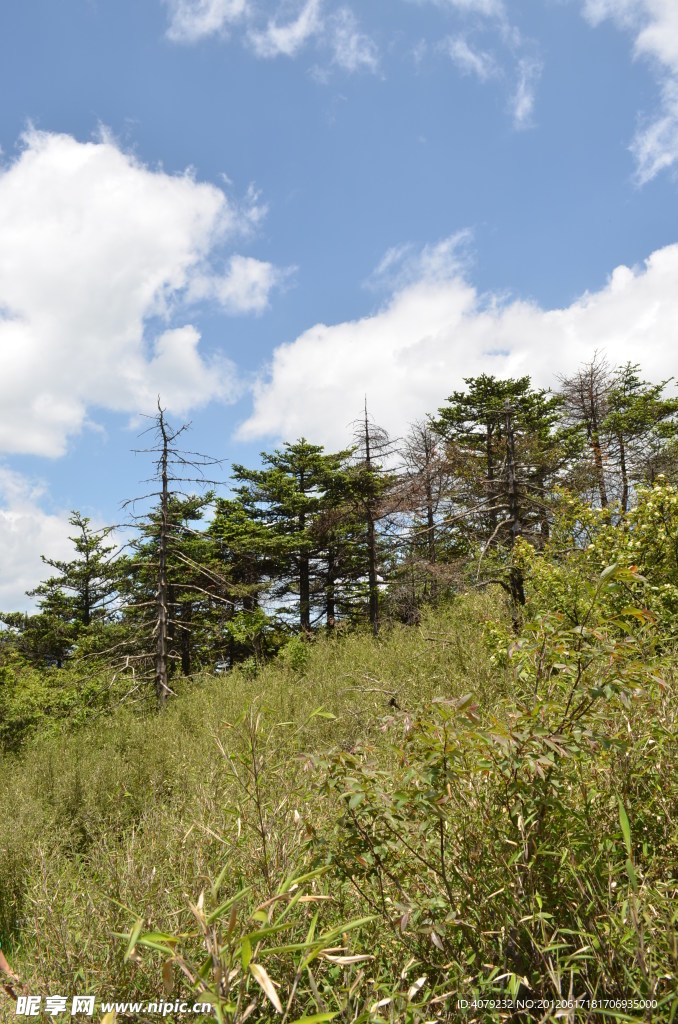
x=287, y=38
x=245, y=287
x=191, y=20
x=26, y=532
x=654, y=26
x=94, y=247
x=435, y=330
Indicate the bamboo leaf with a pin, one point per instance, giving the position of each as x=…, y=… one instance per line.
x=260, y=975
x=315, y=1018
x=168, y=977
x=415, y=987
x=134, y=935
x=625, y=827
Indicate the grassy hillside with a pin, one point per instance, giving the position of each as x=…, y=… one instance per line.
x=475, y=818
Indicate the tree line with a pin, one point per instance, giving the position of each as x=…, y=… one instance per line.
x=315, y=540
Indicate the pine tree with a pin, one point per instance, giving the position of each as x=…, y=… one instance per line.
x=287, y=498
x=368, y=499
x=74, y=604
x=88, y=581
x=642, y=428
x=507, y=449
x=475, y=429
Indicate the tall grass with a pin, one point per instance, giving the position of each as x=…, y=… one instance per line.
x=483, y=870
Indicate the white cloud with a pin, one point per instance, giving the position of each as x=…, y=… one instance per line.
x=404, y=265
x=486, y=8
x=244, y=288
x=522, y=104
x=289, y=26
x=434, y=331
x=287, y=38
x=26, y=532
x=191, y=20
x=92, y=245
x=352, y=49
x=469, y=61
x=654, y=25
x=514, y=61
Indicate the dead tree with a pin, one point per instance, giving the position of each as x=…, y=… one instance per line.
x=175, y=469
x=371, y=483
x=585, y=404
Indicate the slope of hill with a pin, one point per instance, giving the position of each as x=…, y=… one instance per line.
x=364, y=830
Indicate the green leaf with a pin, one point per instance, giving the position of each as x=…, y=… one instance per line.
x=631, y=871
x=134, y=935
x=315, y=1018
x=223, y=907
x=245, y=953
x=625, y=827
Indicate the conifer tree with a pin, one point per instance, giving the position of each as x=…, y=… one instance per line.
x=474, y=427
x=507, y=450
x=88, y=580
x=369, y=487
x=642, y=427
x=79, y=599
x=287, y=497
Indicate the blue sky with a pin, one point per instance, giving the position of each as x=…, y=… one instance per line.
x=264, y=209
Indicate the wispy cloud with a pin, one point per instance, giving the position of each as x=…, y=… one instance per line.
x=191, y=20
x=523, y=100
x=484, y=8
x=352, y=49
x=404, y=264
x=469, y=61
x=510, y=59
x=288, y=37
x=654, y=27
x=335, y=33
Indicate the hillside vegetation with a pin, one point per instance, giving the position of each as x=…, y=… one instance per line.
x=465, y=815
x=384, y=737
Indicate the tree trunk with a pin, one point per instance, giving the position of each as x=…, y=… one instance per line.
x=516, y=573
x=162, y=597
x=430, y=535
x=491, y=488
x=624, y=474
x=330, y=596
x=186, y=616
x=371, y=543
x=304, y=594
